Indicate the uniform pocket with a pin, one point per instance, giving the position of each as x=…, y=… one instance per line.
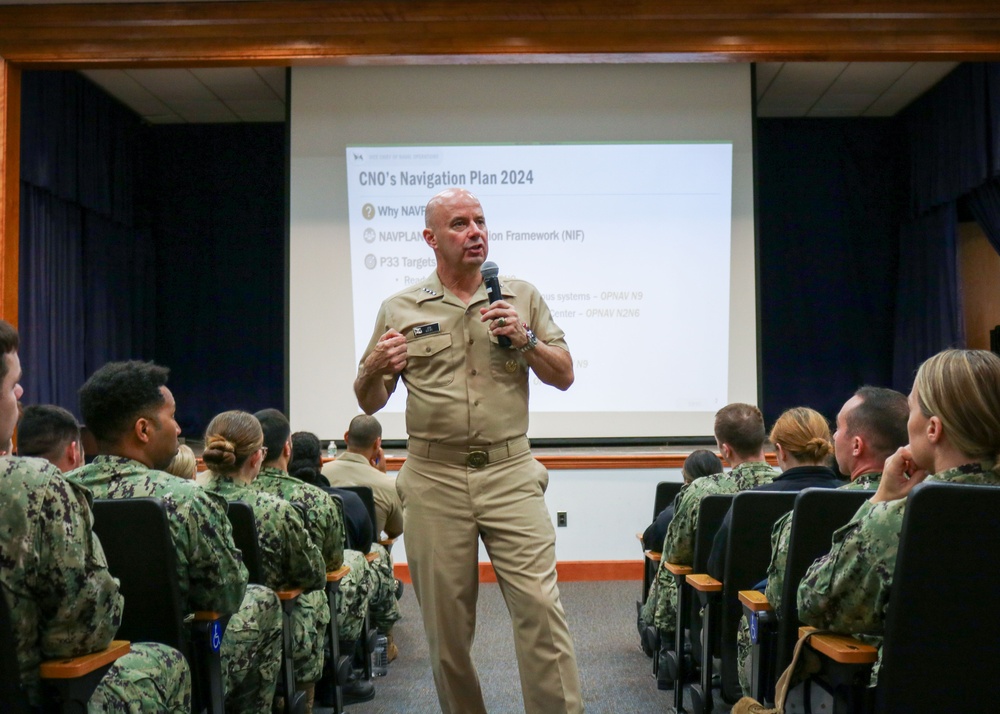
x=430, y=361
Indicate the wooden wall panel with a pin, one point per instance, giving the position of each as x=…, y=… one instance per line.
x=10, y=170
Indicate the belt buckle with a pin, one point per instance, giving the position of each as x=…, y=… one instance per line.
x=476, y=459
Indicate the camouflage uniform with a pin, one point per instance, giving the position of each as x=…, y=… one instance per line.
x=678, y=547
x=780, y=537
x=847, y=590
x=365, y=584
x=63, y=601
x=210, y=573
x=289, y=559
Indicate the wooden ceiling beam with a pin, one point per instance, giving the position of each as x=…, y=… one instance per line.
x=307, y=31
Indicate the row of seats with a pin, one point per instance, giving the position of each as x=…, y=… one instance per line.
x=941, y=629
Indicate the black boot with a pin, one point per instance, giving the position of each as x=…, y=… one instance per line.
x=356, y=689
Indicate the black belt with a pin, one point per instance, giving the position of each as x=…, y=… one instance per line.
x=473, y=456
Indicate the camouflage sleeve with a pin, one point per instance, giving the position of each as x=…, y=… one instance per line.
x=780, y=535
x=332, y=535
x=216, y=575
x=678, y=546
x=303, y=561
x=847, y=590
x=78, y=597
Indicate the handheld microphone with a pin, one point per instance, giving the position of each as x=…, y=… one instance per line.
x=490, y=272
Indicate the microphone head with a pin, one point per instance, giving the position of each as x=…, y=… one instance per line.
x=489, y=269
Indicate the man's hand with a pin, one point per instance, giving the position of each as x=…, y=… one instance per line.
x=504, y=321
x=389, y=355
x=387, y=359
x=378, y=461
x=900, y=474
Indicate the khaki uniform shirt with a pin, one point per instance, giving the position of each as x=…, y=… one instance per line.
x=354, y=470
x=462, y=389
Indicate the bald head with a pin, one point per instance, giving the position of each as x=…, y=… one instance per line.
x=442, y=199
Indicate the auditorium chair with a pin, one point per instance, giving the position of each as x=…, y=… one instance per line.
x=67, y=683
x=817, y=514
x=370, y=635
x=136, y=538
x=748, y=554
x=711, y=510
x=339, y=669
x=666, y=491
x=244, y=525
x=941, y=629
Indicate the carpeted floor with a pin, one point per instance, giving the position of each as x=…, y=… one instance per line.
x=616, y=676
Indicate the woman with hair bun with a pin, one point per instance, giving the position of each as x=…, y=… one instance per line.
x=954, y=431
x=802, y=444
x=233, y=453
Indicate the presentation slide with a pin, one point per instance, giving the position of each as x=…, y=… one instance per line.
x=624, y=192
x=653, y=219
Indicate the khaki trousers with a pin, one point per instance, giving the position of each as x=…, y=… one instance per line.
x=447, y=508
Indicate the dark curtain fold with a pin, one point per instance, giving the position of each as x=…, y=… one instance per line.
x=984, y=203
x=993, y=95
x=928, y=302
x=949, y=136
x=87, y=274
x=51, y=315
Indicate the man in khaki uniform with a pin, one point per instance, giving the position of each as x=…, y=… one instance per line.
x=469, y=472
x=363, y=464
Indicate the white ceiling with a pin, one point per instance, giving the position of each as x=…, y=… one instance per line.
x=257, y=94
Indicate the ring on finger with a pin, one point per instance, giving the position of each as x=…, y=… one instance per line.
x=501, y=321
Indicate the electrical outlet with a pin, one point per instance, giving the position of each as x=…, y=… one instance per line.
x=561, y=519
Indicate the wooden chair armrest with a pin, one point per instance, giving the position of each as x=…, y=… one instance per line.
x=638, y=537
x=337, y=575
x=289, y=594
x=73, y=667
x=754, y=601
x=704, y=583
x=370, y=557
x=678, y=569
x=387, y=542
x=206, y=615
x=654, y=556
x=841, y=648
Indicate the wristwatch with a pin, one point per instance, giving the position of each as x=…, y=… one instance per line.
x=532, y=340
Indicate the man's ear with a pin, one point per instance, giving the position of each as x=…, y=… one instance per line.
x=74, y=454
x=430, y=238
x=142, y=428
x=347, y=444
x=377, y=445
x=857, y=446
x=286, y=450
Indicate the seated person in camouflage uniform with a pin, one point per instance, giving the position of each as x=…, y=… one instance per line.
x=740, y=435
x=326, y=525
x=870, y=427
x=954, y=436
x=700, y=462
x=234, y=451
x=51, y=433
x=63, y=602
x=130, y=413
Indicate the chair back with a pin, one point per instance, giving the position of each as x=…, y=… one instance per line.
x=367, y=498
x=136, y=539
x=711, y=512
x=817, y=514
x=244, y=525
x=666, y=491
x=13, y=697
x=748, y=554
x=939, y=652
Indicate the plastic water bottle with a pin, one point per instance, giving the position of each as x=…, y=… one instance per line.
x=331, y=449
x=380, y=656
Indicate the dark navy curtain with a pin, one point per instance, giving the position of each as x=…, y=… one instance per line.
x=828, y=201
x=85, y=271
x=928, y=308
